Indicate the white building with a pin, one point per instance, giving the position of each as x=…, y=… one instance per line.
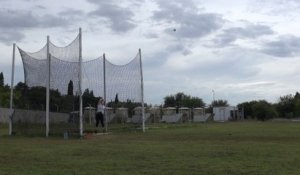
x=226, y=113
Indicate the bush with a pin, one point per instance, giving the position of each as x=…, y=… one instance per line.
x=262, y=110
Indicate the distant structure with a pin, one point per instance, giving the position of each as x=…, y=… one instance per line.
x=226, y=113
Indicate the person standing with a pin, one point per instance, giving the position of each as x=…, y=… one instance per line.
x=100, y=113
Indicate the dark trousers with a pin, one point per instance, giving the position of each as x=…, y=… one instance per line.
x=99, y=117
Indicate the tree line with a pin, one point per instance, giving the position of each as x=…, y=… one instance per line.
x=288, y=106
x=34, y=98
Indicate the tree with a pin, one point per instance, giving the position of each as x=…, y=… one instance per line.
x=21, y=94
x=182, y=100
x=297, y=95
x=116, y=99
x=262, y=110
x=88, y=98
x=4, y=96
x=297, y=108
x=55, y=100
x=70, y=88
x=219, y=103
x=247, y=107
x=285, y=106
x=169, y=101
x=1, y=80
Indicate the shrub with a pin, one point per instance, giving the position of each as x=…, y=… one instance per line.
x=263, y=110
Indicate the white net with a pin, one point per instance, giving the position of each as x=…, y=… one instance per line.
x=64, y=67
x=41, y=54
x=120, y=81
x=92, y=76
x=61, y=73
x=67, y=53
x=34, y=70
x=124, y=80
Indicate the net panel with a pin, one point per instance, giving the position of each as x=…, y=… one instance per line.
x=92, y=76
x=67, y=53
x=124, y=80
x=61, y=73
x=64, y=67
x=34, y=70
x=41, y=54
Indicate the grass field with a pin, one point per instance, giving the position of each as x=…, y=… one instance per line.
x=236, y=148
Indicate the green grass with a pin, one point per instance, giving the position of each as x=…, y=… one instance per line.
x=237, y=148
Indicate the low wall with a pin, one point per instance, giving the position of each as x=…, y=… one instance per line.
x=31, y=116
x=4, y=114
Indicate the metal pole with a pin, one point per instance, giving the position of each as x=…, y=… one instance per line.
x=104, y=91
x=90, y=114
x=80, y=82
x=12, y=90
x=48, y=88
x=142, y=91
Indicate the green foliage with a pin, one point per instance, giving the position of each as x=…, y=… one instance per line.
x=116, y=99
x=1, y=79
x=182, y=100
x=70, y=88
x=4, y=92
x=285, y=106
x=4, y=96
x=88, y=98
x=289, y=106
x=248, y=110
x=297, y=108
x=262, y=110
x=219, y=103
x=169, y=101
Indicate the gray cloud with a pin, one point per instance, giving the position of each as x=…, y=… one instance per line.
x=180, y=47
x=275, y=7
x=237, y=66
x=119, y=18
x=17, y=19
x=234, y=63
x=40, y=7
x=285, y=46
x=9, y=36
x=251, y=31
x=71, y=13
x=13, y=23
x=187, y=19
x=25, y=19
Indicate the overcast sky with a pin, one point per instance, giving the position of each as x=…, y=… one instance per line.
x=242, y=49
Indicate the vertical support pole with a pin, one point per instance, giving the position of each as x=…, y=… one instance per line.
x=142, y=91
x=90, y=114
x=48, y=87
x=104, y=90
x=12, y=90
x=80, y=83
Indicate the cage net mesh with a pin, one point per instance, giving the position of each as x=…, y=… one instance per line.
x=92, y=76
x=123, y=81
x=64, y=67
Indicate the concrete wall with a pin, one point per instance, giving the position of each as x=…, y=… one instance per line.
x=4, y=114
x=30, y=116
x=156, y=114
